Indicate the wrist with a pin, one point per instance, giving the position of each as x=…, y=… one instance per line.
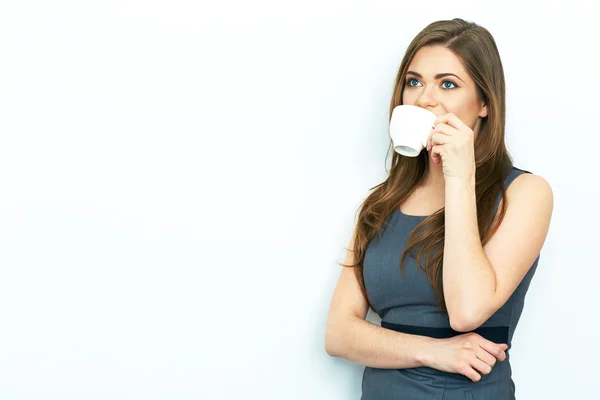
x=461, y=182
x=423, y=353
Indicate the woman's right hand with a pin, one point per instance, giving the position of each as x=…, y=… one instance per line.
x=468, y=354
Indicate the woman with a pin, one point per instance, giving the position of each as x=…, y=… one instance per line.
x=445, y=248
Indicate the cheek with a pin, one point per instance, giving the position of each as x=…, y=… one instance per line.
x=466, y=115
x=452, y=106
x=467, y=119
x=408, y=97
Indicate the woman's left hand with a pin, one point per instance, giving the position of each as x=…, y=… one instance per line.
x=453, y=144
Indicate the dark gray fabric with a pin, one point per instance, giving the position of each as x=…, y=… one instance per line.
x=410, y=300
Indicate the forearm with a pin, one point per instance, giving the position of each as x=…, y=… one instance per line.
x=469, y=280
x=370, y=345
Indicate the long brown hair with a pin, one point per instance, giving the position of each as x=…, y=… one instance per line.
x=477, y=50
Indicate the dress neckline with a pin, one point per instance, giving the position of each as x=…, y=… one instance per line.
x=412, y=216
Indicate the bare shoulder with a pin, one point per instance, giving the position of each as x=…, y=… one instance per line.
x=531, y=185
x=529, y=191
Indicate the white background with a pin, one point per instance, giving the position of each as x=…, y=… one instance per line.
x=178, y=180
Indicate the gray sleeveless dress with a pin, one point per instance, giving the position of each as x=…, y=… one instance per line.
x=410, y=300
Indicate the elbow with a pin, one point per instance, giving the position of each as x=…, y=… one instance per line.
x=336, y=337
x=328, y=344
x=329, y=349
x=331, y=343
x=461, y=325
x=464, y=322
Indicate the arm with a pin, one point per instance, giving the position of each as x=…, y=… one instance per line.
x=370, y=345
x=349, y=336
x=479, y=280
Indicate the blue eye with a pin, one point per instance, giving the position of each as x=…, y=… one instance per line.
x=410, y=80
x=445, y=83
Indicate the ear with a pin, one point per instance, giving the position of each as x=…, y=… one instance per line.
x=483, y=112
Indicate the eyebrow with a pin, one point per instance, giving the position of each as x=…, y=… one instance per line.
x=438, y=76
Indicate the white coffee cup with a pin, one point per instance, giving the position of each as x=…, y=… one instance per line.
x=410, y=127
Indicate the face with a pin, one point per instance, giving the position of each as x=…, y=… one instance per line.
x=438, y=82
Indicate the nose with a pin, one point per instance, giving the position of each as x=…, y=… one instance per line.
x=427, y=98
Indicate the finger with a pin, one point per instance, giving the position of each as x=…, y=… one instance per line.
x=436, y=154
x=429, y=141
x=486, y=357
x=445, y=129
x=440, y=138
x=502, y=356
x=494, y=349
x=438, y=151
x=480, y=366
x=470, y=373
x=429, y=144
x=450, y=119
